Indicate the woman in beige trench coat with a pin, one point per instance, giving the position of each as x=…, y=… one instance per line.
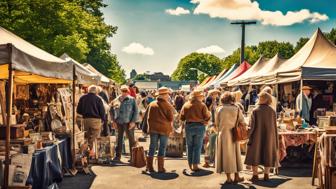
x=228, y=157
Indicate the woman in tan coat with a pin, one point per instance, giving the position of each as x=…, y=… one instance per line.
x=160, y=119
x=263, y=140
x=228, y=158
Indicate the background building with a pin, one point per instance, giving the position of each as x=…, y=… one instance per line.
x=133, y=74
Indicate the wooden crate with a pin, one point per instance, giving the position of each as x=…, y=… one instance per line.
x=175, y=145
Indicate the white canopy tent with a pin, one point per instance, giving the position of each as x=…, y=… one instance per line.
x=84, y=75
x=245, y=78
x=211, y=83
x=315, y=60
x=103, y=79
x=30, y=63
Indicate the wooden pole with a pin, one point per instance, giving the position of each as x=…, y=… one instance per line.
x=9, y=101
x=74, y=114
x=242, y=50
x=3, y=108
x=242, y=47
x=301, y=92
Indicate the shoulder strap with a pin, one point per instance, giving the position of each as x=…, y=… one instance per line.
x=237, y=116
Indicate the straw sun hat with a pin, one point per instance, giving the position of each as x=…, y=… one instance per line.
x=162, y=91
x=214, y=91
x=265, y=98
x=197, y=93
x=306, y=88
x=124, y=88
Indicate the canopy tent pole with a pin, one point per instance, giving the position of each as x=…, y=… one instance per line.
x=74, y=118
x=301, y=99
x=9, y=97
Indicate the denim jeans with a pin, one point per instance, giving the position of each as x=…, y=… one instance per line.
x=123, y=128
x=194, y=136
x=154, y=140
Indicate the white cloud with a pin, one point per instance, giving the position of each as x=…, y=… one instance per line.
x=138, y=48
x=248, y=10
x=212, y=49
x=178, y=11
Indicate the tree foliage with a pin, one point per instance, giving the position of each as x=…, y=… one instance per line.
x=250, y=56
x=299, y=44
x=141, y=77
x=75, y=27
x=270, y=48
x=207, y=63
x=332, y=35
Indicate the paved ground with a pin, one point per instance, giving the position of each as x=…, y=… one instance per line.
x=178, y=177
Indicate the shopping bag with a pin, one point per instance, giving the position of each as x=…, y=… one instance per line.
x=138, y=157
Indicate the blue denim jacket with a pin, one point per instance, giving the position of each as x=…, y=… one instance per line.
x=128, y=111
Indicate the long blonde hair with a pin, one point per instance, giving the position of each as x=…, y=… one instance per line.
x=238, y=95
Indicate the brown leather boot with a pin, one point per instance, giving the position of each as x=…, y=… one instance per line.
x=149, y=165
x=161, y=168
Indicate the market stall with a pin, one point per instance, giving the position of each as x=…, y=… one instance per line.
x=314, y=61
x=83, y=75
x=232, y=69
x=205, y=82
x=103, y=79
x=243, y=67
x=210, y=83
x=244, y=78
x=36, y=94
x=213, y=78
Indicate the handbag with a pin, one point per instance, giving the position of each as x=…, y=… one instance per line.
x=138, y=157
x=239, y=132
x=144, y=123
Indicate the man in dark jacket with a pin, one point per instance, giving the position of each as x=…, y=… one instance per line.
x=179, y=101
x=91, y=107
x=104, y=95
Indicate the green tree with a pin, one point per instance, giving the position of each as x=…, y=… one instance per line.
x=74, y=27
x=250, y=56
x=270, y=48
x=299, y=44
x=207, y=63
x=332, y=35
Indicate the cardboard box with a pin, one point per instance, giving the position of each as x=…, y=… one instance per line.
x=105, y=147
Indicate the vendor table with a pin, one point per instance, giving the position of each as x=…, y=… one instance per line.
x=295, y=138
x=47, y=164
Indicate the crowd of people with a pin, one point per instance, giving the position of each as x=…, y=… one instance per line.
x=207, y=118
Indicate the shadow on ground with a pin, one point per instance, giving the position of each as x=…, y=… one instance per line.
x=162, y=176
x=201, y=173
x=294, y=172
x=237, y=186
x=81, y=180
x=272, y=183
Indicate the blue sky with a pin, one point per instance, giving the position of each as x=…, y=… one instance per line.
x=151, y=38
